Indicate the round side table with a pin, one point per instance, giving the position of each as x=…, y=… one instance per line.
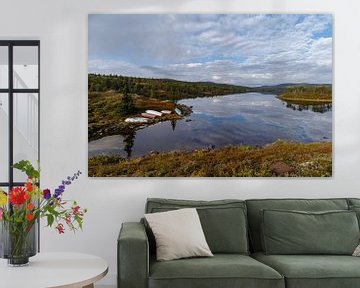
x=50, y=270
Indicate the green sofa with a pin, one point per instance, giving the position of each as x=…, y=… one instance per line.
x=233, y=230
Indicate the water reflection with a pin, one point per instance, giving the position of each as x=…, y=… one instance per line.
x=320, y=108
x=173, y=124
x=129, y=141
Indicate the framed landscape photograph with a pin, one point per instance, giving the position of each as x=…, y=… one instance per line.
x=210, y=95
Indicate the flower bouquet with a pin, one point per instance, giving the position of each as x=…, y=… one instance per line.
x=21, y=208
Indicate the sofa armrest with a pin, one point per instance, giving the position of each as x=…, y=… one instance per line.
x=133, y=256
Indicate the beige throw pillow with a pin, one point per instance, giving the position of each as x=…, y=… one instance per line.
x=357, y=251
x=178, y=234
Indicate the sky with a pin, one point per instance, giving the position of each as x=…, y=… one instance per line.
x=241, y=49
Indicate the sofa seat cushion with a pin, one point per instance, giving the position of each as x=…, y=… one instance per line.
x=222, y=270
x=313, y=271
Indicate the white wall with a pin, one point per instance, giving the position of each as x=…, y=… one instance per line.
x=62, y=28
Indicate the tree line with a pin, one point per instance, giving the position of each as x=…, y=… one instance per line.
x=164, y=89
x=323, y=90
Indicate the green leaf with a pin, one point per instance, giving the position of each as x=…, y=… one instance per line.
x=50, y=219
x=54, y=212
x=26, y=167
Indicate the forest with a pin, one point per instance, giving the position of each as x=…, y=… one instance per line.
x=164, y=89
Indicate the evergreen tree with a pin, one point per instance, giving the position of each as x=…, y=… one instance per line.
x=127, y=104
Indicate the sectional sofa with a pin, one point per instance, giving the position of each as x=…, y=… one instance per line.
x=262, y=243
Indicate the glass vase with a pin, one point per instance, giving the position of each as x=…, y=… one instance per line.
x=18, y=242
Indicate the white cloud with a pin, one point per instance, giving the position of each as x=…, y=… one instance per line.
x=235, y=48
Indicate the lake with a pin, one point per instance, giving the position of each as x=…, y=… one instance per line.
x=249, y=118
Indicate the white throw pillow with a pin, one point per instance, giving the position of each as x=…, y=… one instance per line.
x=178, y=234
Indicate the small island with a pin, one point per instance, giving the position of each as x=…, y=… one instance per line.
x=307, y=95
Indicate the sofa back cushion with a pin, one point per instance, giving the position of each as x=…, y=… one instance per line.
x=255, y=206
x=223, y=221
x=353, y=201
x=354, y=205
x=298, y=232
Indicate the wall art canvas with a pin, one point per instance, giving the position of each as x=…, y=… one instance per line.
x=210, y=95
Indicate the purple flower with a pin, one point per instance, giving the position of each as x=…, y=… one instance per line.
x=68, y=181
x=57, y=193
x=46, y=194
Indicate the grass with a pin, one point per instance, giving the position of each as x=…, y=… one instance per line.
x=280, y=159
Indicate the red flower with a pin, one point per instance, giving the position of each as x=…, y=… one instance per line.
x=29, y=206
x=17, y=196
x=27, y=196
x=75, y=209
x=68, y=219
x=29, y=217
x=60, y=228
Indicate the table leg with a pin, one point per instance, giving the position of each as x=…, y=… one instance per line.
x=89, y=286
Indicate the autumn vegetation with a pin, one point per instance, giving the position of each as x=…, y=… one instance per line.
x=277, y=159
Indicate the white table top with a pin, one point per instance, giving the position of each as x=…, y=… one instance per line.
x=45, y=270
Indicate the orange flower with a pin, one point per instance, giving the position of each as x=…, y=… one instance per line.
x=29, y=217
x=29, y=186
x=27, y=196
x=29, y=206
